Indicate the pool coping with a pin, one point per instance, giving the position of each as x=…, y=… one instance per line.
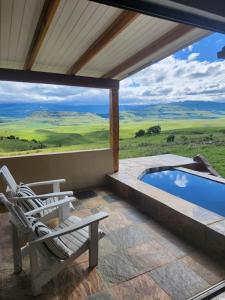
x=197, y=224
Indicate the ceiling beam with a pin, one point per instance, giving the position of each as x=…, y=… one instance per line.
x=195, y=13
x=215, y=7
x=45, y=19
x=117, y=26
x=157, y=45
x=58, y=79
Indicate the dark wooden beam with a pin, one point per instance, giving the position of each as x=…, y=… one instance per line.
x=58, y=79
x=176, y=13
x=214, y=7
x=117, y=26
x=161, y=42
x=45, y=19
x=114, y=126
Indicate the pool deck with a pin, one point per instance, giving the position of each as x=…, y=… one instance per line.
x=138, y=259
x=135, y=166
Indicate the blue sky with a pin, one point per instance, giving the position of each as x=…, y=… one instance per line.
x=193, y=73
x=207, y=48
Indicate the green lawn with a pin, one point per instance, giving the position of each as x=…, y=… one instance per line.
x=74, y=131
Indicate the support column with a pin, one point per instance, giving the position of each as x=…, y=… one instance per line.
x=114, y=126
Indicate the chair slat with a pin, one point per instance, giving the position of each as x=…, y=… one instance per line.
x=76, y=234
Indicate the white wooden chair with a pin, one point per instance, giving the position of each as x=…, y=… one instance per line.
x=79, y=235
x=46, y=199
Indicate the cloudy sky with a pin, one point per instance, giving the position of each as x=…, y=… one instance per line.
x=193, y=73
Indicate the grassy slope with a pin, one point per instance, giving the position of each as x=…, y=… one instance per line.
x=210, y=142
x=75, y=131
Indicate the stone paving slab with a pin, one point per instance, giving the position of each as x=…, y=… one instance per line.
x=178, y=280
x=138, y=259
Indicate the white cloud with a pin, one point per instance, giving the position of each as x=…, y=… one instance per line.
x=193, y=56
x=17, y=92
x=176, y=80
x=171, y=79
x=190, y=48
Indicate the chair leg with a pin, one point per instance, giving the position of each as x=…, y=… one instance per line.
x=93, y=246
x=17, y=255
x=36, y=287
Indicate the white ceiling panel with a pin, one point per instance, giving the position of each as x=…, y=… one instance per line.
x=73, y=30
x=75, y=26
x=18, y=21
x=143, y=31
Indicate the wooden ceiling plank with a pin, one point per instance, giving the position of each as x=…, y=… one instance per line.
x=161, y=42
x=118, y=25
x=48, y=12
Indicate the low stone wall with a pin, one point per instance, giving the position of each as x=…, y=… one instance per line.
x=81, y=169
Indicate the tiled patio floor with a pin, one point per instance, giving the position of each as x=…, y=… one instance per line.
x=138, y=259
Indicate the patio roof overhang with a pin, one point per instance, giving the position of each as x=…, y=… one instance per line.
x=84, y=43
x=85, y=38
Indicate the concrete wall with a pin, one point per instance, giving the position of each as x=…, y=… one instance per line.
x=81, y=169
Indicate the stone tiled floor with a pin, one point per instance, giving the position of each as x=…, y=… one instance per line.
x=138, y=260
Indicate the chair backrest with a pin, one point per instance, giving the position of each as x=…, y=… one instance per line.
x=20, y=221
x=9, y=180
x=18, y=217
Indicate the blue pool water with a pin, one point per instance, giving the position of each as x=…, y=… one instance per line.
x=199, y=190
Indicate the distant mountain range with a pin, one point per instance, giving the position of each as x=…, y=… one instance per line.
x=177, y=110
x=181, y=110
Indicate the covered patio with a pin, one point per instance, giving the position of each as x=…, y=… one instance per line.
x=87, y=44
x=139, y=258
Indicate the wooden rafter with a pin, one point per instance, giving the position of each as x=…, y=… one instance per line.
x=161, y=42
x=121, y=22
x=58, y=79
x=45, y=19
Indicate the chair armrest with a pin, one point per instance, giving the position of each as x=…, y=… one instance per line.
x=48, y=182
x=43, y=196
x=51, y=205
x=79, y=225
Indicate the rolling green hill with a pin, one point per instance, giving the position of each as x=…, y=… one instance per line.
x=66, y=131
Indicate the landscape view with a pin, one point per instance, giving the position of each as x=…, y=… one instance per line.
x=175, y=106
x=185, y=128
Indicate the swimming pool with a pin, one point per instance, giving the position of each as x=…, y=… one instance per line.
x=207, y=193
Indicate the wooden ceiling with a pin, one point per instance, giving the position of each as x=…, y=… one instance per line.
x=84, y=38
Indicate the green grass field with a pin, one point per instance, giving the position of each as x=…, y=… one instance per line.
x=191, y=141
x=75, y=131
